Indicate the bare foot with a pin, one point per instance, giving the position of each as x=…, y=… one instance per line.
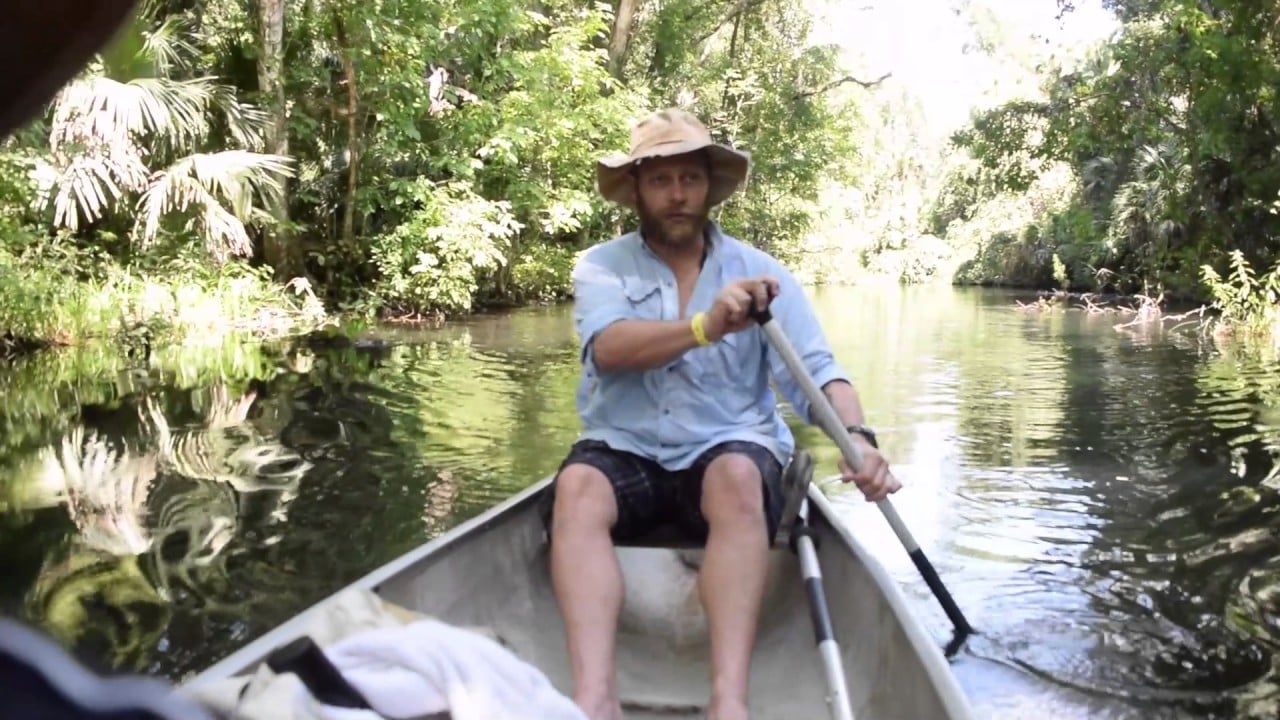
x=728, y=710
x=600, y=709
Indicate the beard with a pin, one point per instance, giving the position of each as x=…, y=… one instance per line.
x=667, y=232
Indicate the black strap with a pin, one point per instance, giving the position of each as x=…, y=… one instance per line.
x=799, y=530
x=304, y=658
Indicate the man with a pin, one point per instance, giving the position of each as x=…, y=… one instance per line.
x=679, y=420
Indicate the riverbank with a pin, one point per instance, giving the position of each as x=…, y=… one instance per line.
x=1242, y=304
x=46, y=303
x=1135, y=312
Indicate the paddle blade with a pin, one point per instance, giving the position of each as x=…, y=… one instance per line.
x=957, y=641
x=795, y=489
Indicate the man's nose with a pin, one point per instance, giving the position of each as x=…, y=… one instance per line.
x=678, y=193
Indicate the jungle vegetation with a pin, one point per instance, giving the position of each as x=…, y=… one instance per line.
x=261, y=167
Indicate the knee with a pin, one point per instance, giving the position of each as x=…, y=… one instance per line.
x=583, y=497
x=732, y=491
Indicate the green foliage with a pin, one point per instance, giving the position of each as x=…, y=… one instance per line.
x=1013, y=237
x=999, y=138
x=1170, y=131
x=66, y=295
x=433, y=261
x=432, y=158
x=1247, y=303
x=542, y=273
x=17, y=187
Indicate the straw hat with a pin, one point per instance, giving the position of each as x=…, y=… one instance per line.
x=663, y=134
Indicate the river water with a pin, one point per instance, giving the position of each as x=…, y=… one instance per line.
x=1101, y=501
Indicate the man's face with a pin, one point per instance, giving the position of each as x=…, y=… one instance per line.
x=671, y=196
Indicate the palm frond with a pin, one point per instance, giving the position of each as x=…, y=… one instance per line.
x=107, y=133
x=246, y=123
x=100, y=110
x=168, y=46
x=103, y=132
x=218, y=191
x=91, y=183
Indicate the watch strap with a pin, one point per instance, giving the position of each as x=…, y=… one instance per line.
x=865, y=432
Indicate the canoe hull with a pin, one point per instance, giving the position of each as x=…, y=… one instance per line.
x=493, y=572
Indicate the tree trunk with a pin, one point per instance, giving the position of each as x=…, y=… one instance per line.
x=278, y=249
x=726, y=94
x=620, y=38
x=348, y=238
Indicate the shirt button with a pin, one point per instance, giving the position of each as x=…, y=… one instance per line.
x=666, y=412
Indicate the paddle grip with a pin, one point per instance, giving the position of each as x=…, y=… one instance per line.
x=762, y=316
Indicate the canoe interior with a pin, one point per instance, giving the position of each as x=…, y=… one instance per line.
x=493, y=572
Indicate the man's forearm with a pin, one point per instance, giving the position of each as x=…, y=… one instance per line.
x=641, y=344
x=845, y=401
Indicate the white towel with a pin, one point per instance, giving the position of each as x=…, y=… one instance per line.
x=429, y=667
x=407, y=665
x=404, y=671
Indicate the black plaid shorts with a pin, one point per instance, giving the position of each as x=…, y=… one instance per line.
x=648, y=495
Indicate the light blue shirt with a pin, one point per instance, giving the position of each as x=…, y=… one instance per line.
x=710, y=394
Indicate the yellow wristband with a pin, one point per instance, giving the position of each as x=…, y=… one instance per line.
x=699, y=333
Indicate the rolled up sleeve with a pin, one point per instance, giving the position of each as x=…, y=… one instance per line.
x=795, y=316
x=599, y=300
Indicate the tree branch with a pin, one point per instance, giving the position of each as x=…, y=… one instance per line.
x=842, y=81
x=738, y=8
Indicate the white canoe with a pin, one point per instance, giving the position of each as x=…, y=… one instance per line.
x=492, y=572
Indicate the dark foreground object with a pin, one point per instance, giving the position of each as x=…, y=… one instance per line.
x=43, y=44
x=41, y=681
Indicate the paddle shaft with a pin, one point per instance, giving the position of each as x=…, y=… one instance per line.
x=827, y=418
x=824, y=635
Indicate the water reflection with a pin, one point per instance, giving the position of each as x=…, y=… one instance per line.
x=1101, y=501
x=1096, y=499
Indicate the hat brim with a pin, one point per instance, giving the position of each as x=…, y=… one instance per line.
x=729, y=170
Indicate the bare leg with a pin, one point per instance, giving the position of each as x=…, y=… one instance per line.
x=588, y=585
x=732, y=580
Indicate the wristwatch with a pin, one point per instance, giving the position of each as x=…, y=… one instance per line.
x=865, y=432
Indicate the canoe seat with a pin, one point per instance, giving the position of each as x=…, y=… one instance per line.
x=795, y=488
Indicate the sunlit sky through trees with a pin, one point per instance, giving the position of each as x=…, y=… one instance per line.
x=929, y=45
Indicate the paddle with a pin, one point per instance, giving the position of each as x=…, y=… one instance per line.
x=828, y=648
x=830, y=422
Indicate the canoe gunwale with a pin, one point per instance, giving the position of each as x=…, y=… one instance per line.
x=931, y=657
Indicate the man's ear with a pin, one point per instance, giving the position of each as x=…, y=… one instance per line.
x=634, y=174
